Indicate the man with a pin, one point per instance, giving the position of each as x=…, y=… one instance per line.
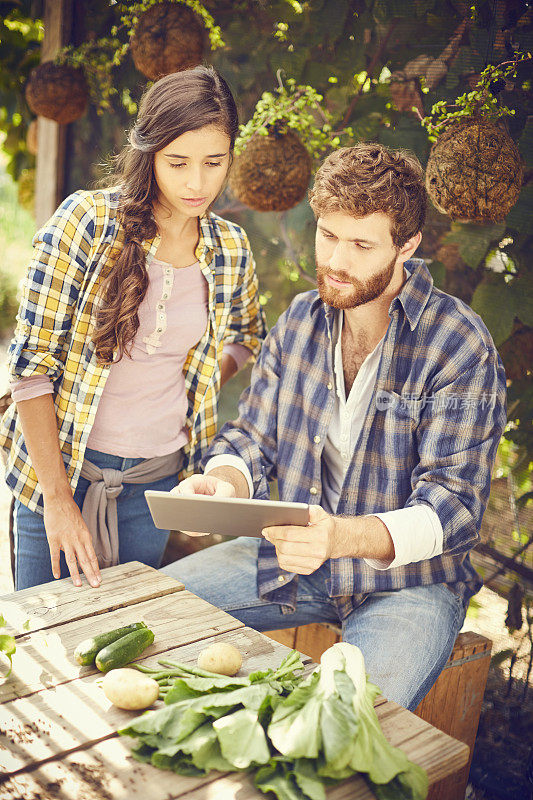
x=380, y=401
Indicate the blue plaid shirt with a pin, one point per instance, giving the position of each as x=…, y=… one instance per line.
x=430, y=435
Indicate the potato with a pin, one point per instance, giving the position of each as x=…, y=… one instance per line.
x=220, y=657
x=128, y=688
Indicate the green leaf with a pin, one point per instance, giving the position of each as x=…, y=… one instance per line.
x=305, y=775
x=474, y=240
x=495, y=304
x=521, y=214
x=521, y=290
x=242, y=739
x=7, y=647
x=3, y=622
x=272, y=778
x=26, y=625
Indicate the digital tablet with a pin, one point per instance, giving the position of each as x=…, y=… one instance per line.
x=227, y=516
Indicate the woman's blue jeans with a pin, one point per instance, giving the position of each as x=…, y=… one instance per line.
x=406, y=636
x=139, y=539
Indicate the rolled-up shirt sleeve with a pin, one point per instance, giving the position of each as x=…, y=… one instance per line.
x=51, y=288
x=28, y=388
x=458, y=437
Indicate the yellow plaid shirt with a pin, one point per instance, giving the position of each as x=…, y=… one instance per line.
x=55, y=322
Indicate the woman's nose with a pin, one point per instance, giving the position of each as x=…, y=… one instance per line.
x=194, y=180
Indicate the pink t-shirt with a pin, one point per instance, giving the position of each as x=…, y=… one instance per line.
x=143, y=408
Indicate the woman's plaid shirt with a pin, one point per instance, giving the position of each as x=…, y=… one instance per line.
x=430, y=434
x=54, y=324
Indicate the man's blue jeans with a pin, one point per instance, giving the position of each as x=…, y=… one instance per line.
x=139, y=539
x=406, y=636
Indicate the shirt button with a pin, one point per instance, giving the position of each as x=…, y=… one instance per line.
x=160, y=330
x=316, y=439
x=281, y=578
x=313, y=490
x=329, y=386
x=165, y=296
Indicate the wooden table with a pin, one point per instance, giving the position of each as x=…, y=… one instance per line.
x=58, y=731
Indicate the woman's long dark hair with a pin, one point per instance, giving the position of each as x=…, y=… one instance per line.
x=180, y=102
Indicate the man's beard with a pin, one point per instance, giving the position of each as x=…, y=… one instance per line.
x=362, y=292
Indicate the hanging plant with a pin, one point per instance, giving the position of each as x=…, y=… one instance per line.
x=475, y=171
x=273, y=173
x=57, y=91
x=163, y=37
x=168, y=38
x=276, y=148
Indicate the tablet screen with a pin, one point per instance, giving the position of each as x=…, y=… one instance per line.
x=227, y=516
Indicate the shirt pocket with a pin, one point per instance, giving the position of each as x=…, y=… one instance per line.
x=398, y=417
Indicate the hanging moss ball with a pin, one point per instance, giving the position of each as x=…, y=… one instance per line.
x=32, y=137
x=272, y=173
x=169, y=37
x=474, y=172
x=57, y=91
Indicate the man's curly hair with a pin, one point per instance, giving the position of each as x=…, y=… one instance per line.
x=369, y=177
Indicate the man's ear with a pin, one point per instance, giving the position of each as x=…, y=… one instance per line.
x=407, y=250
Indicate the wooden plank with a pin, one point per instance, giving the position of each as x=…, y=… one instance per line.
x=106, y=770
x=57, y=602
x=45, y=658
x=57, y=721
x=454, y=704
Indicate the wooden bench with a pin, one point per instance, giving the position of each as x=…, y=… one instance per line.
x=453, y=704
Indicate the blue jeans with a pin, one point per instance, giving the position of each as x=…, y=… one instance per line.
x=406, y=636
x=139, y=539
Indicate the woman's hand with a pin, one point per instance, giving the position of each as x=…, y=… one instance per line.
x=67, y=531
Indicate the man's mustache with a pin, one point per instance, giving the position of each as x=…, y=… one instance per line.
x=339, y=275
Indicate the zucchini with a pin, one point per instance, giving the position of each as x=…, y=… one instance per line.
x=86, y=651
x=124, y=650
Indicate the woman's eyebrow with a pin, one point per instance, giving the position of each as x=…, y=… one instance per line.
x=184, y=158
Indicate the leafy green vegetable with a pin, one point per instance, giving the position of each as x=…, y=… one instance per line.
x=7, y=646
x=334, y=717
x=300, y=735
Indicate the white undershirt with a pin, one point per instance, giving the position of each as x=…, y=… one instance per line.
x=416, y=531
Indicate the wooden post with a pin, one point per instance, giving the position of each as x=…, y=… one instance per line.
x=51, y=136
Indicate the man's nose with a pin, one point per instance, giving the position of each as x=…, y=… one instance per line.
x=338, y=257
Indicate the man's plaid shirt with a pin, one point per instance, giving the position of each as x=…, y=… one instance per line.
x=54, y=325
x=430, y=435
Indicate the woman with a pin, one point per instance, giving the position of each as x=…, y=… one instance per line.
x=138, y=304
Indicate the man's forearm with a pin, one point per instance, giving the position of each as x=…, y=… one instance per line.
x=362, y=537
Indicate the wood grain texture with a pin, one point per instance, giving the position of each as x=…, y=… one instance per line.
x=106, y=770
x=55, y=603
x=45, y=658
x=57, y=721
x=454, y=704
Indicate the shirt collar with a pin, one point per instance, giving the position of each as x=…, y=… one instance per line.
x=415, y=292
x=208, y=242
